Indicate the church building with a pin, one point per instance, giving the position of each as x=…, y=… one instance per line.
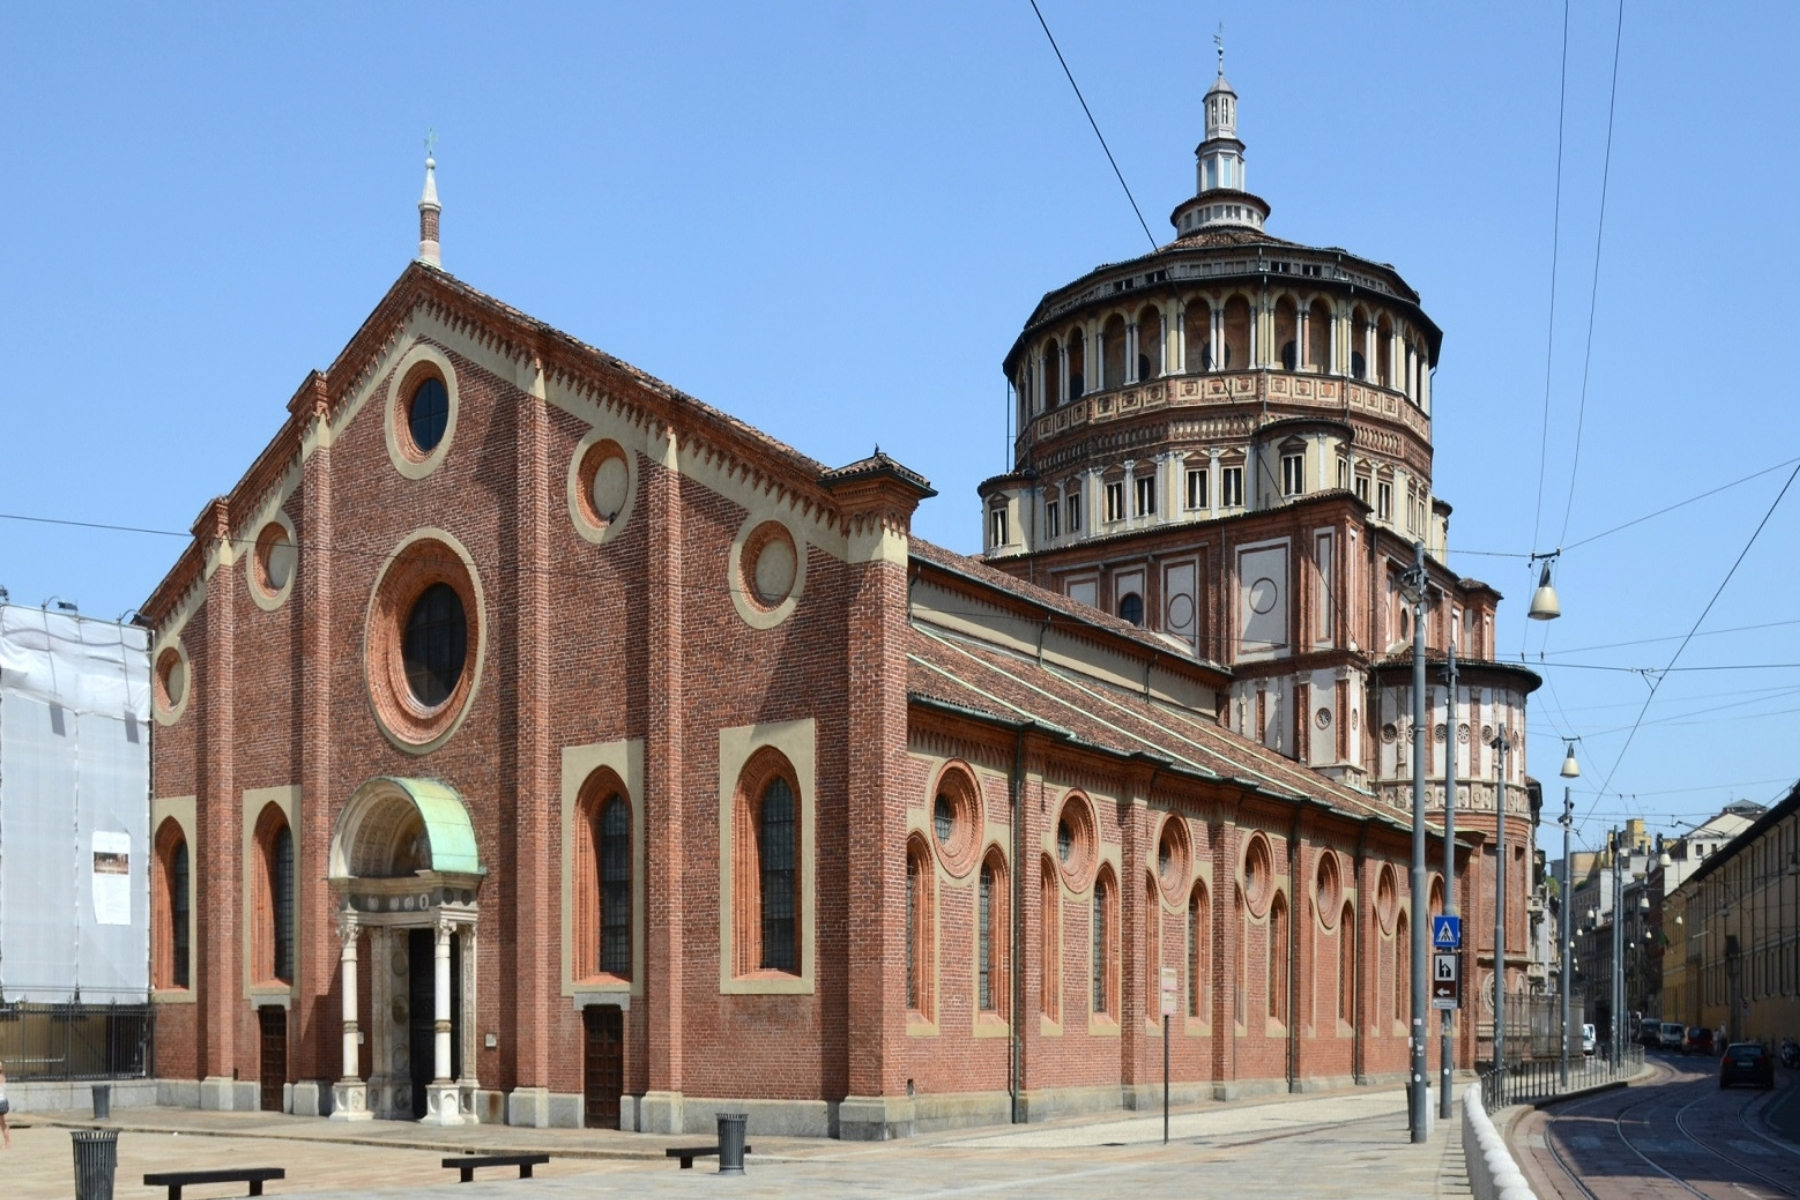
x=538, y=744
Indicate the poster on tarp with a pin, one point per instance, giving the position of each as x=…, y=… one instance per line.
x=112, y=878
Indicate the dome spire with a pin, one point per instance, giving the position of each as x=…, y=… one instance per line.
x=1221, y=197
x=430, y=253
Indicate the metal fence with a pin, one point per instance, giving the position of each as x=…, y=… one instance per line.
x=1541, y=1079
x=77, y=1041
x=1534, y=1028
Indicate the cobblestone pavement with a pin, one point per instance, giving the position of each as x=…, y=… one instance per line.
x=1675, y=1134
x=1339, y=1145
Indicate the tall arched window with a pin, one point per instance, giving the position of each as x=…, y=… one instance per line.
x=992, y=962
x=767, y=851
x=921, y=957
x=272, y=934
x=1197, y=324
x=1052, y=368
x=1237, y=334
x=601, y=903
x=779, y=829
x=1199, y=951
x=1318, y=336
x=1384, y=352
x=1402, y=970
x=1152, y=950
x=1050, y=906
x=1278, y=957
x=1105, y=938
x=1287, y=333
x=1150, y=344
x=1346, y=932
x=1112, y=357
x=170, y=907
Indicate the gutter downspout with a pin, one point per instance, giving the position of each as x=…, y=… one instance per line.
x=1295, y=909
x=1358, y=1046
x=1016, y=1043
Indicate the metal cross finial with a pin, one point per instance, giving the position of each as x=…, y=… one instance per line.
x=430, y=142
x=1219, y=41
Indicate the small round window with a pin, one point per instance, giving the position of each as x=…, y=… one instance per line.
x=435, y=645
x=274, y=559
x=956, y=818
x=1076, y=849
x=1131, y=608
x=428, y=413
x=171, y=680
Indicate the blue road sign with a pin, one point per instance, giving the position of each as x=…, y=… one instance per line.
x=1446, y=932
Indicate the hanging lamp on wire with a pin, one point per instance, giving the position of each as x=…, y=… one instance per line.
x=1544, y=606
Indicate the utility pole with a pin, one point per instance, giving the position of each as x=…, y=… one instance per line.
x=1446, y=1053
x=1618, y=952
x=1501, y=745
x=1419, y=1095
x=1562, y=954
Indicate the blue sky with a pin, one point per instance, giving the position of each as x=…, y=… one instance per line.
x=831, y=220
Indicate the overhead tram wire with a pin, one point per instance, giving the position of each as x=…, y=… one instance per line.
x=1656, y=682
x=1120, y=175
x=1562, y=98
x=1594, y=293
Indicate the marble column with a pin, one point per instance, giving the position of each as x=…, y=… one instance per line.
x=349, y=1096
x=442, y=1105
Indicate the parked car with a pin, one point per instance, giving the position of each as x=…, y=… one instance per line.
x=1747, y=1062
x=1699, y=1041
x=1589, y=1041
x=1674, y=1036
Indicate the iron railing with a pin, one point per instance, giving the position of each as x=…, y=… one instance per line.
x=77, y=1041
x=1536, y=1079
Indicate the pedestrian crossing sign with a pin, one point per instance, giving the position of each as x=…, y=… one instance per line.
x=1446, y=932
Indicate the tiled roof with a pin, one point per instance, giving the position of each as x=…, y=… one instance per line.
x=978, y=679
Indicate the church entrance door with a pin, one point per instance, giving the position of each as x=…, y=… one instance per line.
x=421, y=1025
x=274, y=1056
x=604, y=1065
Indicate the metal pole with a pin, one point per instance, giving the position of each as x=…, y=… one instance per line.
x=1562, y=954
x=1446, y=1050
x=1618, y=954
x=1165, y=1079
x=1501, y=746
x=1420, y=1096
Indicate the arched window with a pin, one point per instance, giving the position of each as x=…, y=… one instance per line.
x=1131, y=608
x=1237, y=334
x=1384, y=353
x=273, y=933
x=1077, y=345
x=1287, y=333
x=1150, y=344
x=1318, y=336
x=1278, y=957
x=1198, y=326
x=778, y=829
x=1346, y=932
x=767, y=851
x=921, y=957
x=601, y=904
x=1052, y=366
x=992, y=961
x=1199, y=952
x=1152, y=950
x=1402, y=970
x=1359, y=341
x=170, y=902
x=1105, y=939
x=1112, y=345
x=1050, y=905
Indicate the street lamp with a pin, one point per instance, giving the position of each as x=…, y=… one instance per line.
x=1570, y=770
x=1543, y=601
x=1414, y=585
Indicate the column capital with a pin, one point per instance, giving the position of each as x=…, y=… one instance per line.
x=349, y=928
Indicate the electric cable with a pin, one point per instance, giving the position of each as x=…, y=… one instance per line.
x=1562, y=98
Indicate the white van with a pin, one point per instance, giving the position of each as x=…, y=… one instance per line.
x=1588, y=1041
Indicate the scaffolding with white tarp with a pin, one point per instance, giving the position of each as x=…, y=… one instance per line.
x=74, y=842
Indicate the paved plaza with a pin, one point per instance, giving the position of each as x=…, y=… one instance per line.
x=1337, y=1145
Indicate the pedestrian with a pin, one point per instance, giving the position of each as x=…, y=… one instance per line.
x=5, y=1107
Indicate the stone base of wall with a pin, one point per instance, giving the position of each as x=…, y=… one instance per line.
x=1322, y=1083
x=218, y=1094
x=1148, y=1097
x=61, y=1096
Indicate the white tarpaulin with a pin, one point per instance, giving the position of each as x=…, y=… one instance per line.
x=74, y=808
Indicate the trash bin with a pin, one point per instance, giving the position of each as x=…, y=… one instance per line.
x=103, y=1102
x=731, y=1143
x=96, y=1158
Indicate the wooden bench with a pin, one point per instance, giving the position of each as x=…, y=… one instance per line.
x=466, y=1163
x=176, y=1180
x=687, y=1154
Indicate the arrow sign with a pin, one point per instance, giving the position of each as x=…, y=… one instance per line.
x=1446, y=983
x=1446, y=933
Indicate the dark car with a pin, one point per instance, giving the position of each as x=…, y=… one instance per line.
x=1747, y=1062
x=1699, y=1041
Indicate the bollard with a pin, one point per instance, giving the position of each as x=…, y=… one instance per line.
x=103, y=1102
x=96, y=1159
x=731, y=1143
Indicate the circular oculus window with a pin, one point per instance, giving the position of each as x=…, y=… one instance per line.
x=1173, y=853
x=171, y=680
x=274, y=560
x=603, y=484
x=956, y=819
x=770, y=563
x=1075, y=848
x=424, y=642
x=1330, y=888
x=1387, y=900
x=1259, y=875
x=420, y=420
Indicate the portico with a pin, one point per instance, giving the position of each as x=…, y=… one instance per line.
x=407, y=874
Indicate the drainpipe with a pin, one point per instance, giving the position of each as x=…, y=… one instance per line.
x=1358, y=1048
x=1015, y=1044
x=1295, y=909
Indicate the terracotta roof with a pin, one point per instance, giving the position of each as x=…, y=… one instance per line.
x=982, y=681
x=1075, y=612
x=879, y=465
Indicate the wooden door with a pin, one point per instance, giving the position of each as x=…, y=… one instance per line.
x=274, y=1056
x=603, y=1064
